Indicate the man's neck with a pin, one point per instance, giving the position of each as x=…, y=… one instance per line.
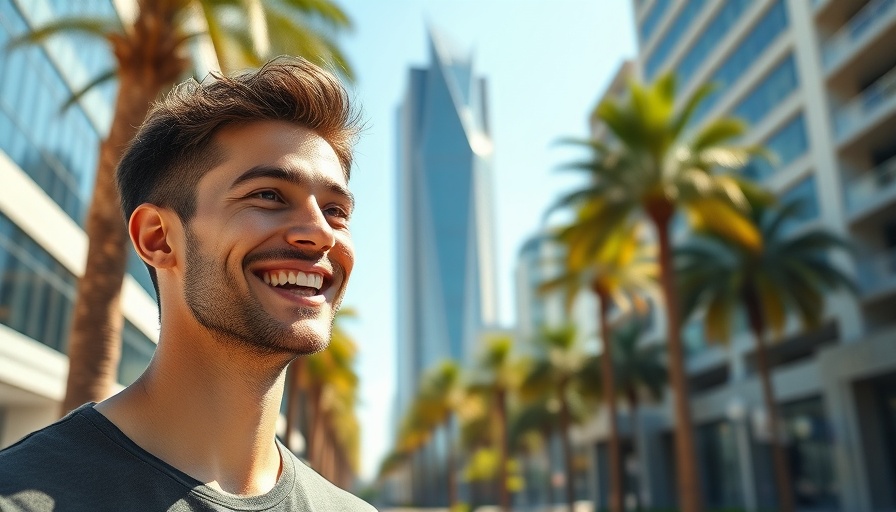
x=208, y=411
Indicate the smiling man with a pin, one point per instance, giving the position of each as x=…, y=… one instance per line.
x=236, y=196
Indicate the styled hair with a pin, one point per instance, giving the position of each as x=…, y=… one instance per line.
x=174, y=147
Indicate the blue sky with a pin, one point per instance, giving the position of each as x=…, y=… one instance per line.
x=546, y=62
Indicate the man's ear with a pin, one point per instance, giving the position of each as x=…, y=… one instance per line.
x=150, y=231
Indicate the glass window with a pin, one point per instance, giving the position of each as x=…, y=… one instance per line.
x=721, y=24
x=669, y=41
x=720, y=467
x=653, y=18
x=32, y=286
x=774, y=89
x=44, y=143
x=763, y=34
x=810, y=452
x=786, y=145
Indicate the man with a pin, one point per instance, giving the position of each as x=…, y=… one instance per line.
x=236, y=197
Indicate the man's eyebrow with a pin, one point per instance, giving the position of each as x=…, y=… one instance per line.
x=280, y=173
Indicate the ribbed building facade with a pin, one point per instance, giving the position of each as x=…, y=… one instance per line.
x=446, y=280
x=816, y=82
x=48, y=158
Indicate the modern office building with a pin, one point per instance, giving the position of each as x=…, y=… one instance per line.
x=446, y=279
x=48, y=158
x=445, y=253
x=816, y=82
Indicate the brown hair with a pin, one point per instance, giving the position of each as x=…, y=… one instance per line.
x=173, y=148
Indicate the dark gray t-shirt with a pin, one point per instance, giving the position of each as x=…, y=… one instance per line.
x=84, y=462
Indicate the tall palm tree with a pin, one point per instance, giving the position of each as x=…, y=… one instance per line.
x=560, y=370
x=653, y=170
x=790, y=274
x=639, y=371
x=532, y=425
x=617, y=268
x=328, y=383
x=442, y=392
x=498, y=375
x=150, y=55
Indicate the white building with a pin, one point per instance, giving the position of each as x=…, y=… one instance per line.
x=816, y=81
x=47, y=165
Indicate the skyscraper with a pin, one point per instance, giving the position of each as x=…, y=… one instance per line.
x=47, y=164
x=446, y=287
x=446, y=282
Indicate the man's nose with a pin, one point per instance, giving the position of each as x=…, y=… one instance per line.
x=309, y=228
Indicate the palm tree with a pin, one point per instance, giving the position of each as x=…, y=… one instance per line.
x=531, y=428
x=498, y=375
x=617, y=268
x=638, y=370
x=150, y=55
x=442, y=392
x=790, y=273
x=560, y=371
x=652, y=171
x=330, y=382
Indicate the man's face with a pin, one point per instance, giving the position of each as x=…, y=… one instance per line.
x=268, y=251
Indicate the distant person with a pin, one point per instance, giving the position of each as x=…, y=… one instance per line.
x=236, y=196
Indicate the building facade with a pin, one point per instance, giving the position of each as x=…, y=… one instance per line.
x=48, y=158
x=446, y=280
x=816, y=82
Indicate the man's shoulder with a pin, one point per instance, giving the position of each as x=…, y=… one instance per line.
x=51, y=442
x=323, y=494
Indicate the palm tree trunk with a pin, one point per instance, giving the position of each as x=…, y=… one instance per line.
x=148, y=63
x=782, y=469
x=315, y=447
x=548, y=434
x=609, y=384
x=636, y=447
x=452, y=477
x=567, y=452
x=503, y=492
x=292, y=400
x=690, y=496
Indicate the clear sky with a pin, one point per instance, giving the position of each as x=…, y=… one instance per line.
x=546, y=62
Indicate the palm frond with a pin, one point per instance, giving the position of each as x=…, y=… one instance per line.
x=100, y=79
x=93, y=27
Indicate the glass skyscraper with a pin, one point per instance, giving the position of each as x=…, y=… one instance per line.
x=48, y=158
x=446, y=287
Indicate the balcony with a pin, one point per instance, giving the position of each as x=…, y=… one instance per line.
x=870, y=190
x=874, y=102
x=857, y=31
x=877, y=273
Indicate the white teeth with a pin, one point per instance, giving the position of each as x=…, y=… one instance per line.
x=281, y=277
x=305, y=279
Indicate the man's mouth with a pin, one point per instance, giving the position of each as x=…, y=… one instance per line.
x=302, y=282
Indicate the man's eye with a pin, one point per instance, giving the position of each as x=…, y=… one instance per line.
x=336, y=211
x=267, y=195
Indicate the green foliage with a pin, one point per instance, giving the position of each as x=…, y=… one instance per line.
x=792, y=273
x=244, y=34
x=655, y=167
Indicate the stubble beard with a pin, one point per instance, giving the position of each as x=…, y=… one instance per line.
x=239, y=318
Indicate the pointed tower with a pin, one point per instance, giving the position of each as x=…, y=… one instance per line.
x=446, y=284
